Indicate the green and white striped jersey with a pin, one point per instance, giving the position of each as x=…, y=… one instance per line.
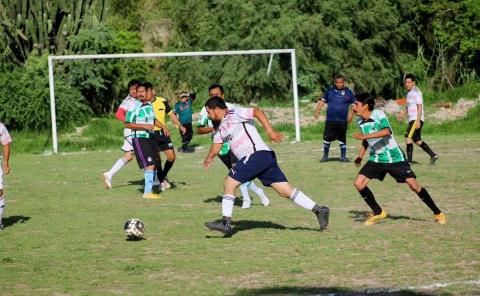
x=384, y=149
x=141, y=114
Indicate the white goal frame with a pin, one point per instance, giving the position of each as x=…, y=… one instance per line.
x=52, y=58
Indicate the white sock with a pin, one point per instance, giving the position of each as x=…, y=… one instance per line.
x=2, y=206
x=116, y=167
x=258, y=191
x=227, y=205
x=244, y=191
x=302, y=200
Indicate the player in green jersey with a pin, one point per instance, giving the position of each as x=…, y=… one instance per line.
x=385, y=157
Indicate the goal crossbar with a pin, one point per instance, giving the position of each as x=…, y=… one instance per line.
x=52, y=58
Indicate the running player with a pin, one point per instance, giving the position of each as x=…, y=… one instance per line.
x=256, y=159
x=141, y=119
x=415, y=113
x=5, y=139
x=205, y=126
x=127, y=104
x=162, y=141
x=385, y=157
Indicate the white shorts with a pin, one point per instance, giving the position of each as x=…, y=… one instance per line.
x=1, y=178
x=127, y=140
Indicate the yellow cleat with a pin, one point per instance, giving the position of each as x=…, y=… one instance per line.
x=440, y=218
x=151, y=195
x=372, y=219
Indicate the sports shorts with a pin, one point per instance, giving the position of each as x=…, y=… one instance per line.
x=162, y=142
x=400, y=171
x=260, y=164
x=145, y=152
x=127, y=140
x=335, y=130
x=417, y=134
x=228, y=159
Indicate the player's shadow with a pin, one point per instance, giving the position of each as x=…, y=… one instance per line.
x=9, y=221
x=337, y=291
x=336, y=159
x=244, y=225
x=218, y=199
x=361, y=216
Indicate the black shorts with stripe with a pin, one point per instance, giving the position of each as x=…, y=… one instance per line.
x=161, y=141
x=417, y=134
x=400, y=171
x=145, y=152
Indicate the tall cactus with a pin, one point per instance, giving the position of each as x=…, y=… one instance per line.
x=38, y=26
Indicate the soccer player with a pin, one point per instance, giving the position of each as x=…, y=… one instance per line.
x=127, y=104
x=338, y=98
x=415, y=113
x=162, y=141
x=385, y=157
x=141, y=119
x=183, y=109
x=256, y=160
x=205, y=126
x=5, y=139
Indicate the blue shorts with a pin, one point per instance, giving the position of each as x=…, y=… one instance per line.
x=262, y=165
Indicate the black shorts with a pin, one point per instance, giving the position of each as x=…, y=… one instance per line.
x=400, y=171
x=417, y=134
x=161, y=141
x=228, y=159
x=335, y=130
x=145, y=152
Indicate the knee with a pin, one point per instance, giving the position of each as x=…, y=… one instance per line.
x=359, y=185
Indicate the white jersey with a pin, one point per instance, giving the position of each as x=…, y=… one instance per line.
x=414, y=98
x=203, y=120
x=237, y=128
x=128, y=103
x=5, y=137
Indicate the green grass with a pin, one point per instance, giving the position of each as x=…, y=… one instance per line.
x=64, y=231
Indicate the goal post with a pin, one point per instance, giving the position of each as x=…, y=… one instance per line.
x=271, y=52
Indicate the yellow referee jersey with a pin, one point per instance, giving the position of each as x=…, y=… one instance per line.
x=161, y=108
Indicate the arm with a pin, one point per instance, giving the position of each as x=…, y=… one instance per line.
x=202, y=130
x=319, y=107
x=6, y=157
x=361, y=153
x=176, y=121
x=262, y=118
x=162, y=127
x=121, y=114
x=419, y=116
x=214, y=150
x=350, y=115
x=139, y=126
x=383, y=133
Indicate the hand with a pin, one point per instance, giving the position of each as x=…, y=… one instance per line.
x=358, y=161
x=275, y=136
x=315, y=115
x=207, y=162
x=183, y=130
x=359, y=136
x=6, y=167
x=149, y=127
x=165, y=131
x=400, y=117
x=417, y=124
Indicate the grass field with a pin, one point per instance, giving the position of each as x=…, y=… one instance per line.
x=64, y=233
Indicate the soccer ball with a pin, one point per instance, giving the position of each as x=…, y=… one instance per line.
x=134, y=229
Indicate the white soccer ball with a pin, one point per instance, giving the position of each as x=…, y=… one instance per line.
x=134, y=228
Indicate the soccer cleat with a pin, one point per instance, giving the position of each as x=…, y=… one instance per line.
x=264, y=200
x=322, y=216
x=156, y=182
x=440, y=218
x=247, y=204
x=433, y=159
x=324, y=159
x=151, y=195
x=166, y=185
x=107, y=181
x=221, y=226
x=372, y=219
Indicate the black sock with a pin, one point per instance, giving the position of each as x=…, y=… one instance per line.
x=410, y=152
x=158, y=167
x=427, y=149
x=425, y=197
x=166, y=167
x=368, y=197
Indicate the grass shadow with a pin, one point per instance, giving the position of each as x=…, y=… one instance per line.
x=361, y=216
x=244, y=225
x=331, y=291
x=9, y=221
x=218, y=199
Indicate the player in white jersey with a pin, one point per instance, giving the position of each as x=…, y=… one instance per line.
x=416, y=118
x=5, y=139
x=127, y=104
x=255, y=160
x=205, y=126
